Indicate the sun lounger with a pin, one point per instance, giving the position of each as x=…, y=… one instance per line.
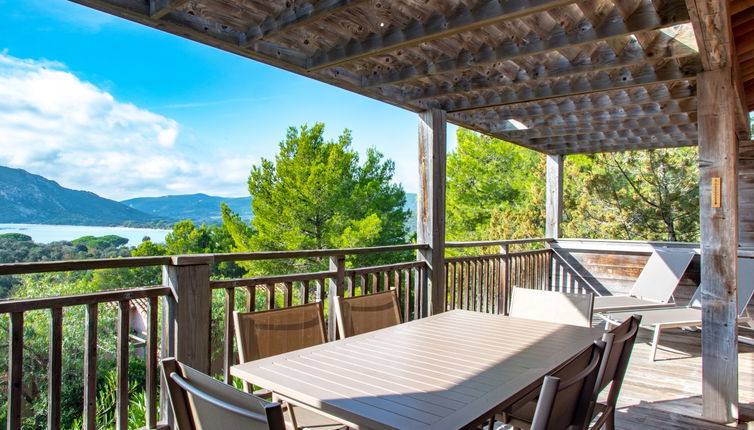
x=655, y=285
x=691, y=314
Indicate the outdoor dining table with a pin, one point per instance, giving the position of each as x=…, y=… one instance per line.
x=447, y=371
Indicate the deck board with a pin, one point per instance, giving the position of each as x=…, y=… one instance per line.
x=666, y=394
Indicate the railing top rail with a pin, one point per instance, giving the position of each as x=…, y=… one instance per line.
x=68, y=265
x=483, y=243
x=115, y=263
x=271, y=279
x=495, y=256
x=385, y=267
x=272, y=255
x=23, y=305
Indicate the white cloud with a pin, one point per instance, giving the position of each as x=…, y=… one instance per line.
x=56, y=125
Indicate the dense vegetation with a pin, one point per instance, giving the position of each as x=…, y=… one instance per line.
x=319, y=194
x=496, y=190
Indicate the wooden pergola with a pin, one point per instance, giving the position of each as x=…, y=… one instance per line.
x=557, y=76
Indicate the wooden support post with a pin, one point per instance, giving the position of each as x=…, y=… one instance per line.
x=719, y=243
x=554, y=203
x=189, y=342
x=336, y=287
x=431, y=207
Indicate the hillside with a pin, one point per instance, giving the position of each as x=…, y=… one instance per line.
x=31, y=199
x=200, y=208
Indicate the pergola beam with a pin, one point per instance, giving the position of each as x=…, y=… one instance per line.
x=660, y=124
x=647, y=74
x=662, y=48
x=615, y=105
x=712, y=25
x=487, y=12
x=645, y=18
x=609, y=146
x=160, y=8
x=629, y=138
x=297, y=16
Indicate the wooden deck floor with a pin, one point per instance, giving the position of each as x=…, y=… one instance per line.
x=666, y=394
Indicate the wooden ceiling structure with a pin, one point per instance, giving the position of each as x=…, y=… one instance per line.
x=556, y=76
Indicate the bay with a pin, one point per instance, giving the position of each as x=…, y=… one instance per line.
x=45, y=233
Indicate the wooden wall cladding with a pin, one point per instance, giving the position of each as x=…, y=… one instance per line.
x=607, y=273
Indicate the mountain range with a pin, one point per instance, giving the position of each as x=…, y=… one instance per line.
x=199, y=208
x=26, y=198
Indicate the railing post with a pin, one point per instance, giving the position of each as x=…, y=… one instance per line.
x=335, y=287
x=188, y=279
x=505, y=296
x=186, y=317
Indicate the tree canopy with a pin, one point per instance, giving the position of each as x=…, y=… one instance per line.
x=317, y=194
x=496, y=191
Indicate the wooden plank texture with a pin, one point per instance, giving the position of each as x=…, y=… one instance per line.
x=191, y=301
x=431, y=205
x=746, y=194
x=718, y=155
x=445, y=371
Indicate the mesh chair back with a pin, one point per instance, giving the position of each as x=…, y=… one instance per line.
x=619, y=344
x=201, y=402
x=566, y=398
x=277, y=331
x=552, y=306
x=362, y=314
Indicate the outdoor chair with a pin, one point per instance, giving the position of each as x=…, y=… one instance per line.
x=201, y=402
x=362, y=314
x=552, y=306
x=655, y=285
x=266, y=333
x=565, y=399
x=691, y=314
x=619, y=344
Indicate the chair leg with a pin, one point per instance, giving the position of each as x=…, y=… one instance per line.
x=610, y=423
x=655, y=341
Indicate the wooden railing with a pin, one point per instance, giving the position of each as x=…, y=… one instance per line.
x=179, y=321
x=483, y=282
x=297, y=289
x=92, y=302
x=182, y=306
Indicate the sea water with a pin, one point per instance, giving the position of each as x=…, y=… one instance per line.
x=45, y=233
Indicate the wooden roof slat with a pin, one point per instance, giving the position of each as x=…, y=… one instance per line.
x=610, y=146
x=488, y=12
x=606, y=73
x=663, y=120
x=521, y=93
x=297, y=16
x=627, y=107
x=645, y=18
x=663, y=47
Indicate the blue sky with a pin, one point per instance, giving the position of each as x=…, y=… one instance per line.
x=99, y=103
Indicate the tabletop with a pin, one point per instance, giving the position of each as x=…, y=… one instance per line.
x=445, y=371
